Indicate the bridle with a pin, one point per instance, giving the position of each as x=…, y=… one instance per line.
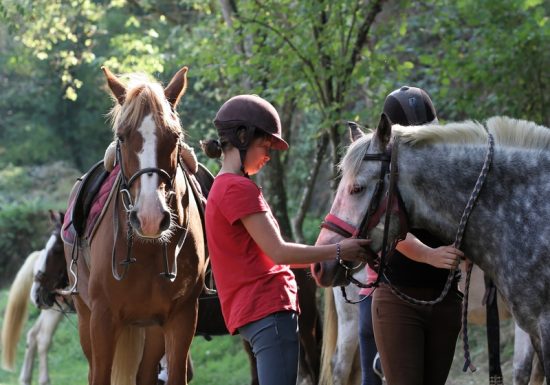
x=128, y=203
x=126, y=184
x=380, y=204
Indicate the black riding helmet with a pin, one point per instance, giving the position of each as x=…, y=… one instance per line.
x=409, y=106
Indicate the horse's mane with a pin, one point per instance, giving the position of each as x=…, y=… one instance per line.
x=143, y=96
x=507, y=132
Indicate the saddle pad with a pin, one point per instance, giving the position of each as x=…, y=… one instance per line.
x=97, y=209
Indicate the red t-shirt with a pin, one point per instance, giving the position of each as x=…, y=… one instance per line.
x=250, y=285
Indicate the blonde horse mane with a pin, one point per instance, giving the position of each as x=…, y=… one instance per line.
x=507, y=132
x=16, y=310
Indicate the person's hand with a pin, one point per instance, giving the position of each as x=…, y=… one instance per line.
x=356, y=250
x=444, y=257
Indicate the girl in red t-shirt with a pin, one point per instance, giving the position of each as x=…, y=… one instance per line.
x=250, y=260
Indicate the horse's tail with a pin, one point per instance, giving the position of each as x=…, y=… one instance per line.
x=330, y=336
x=16, y=310
x=128, y=353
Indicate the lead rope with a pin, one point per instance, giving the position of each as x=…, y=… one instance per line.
x=469, y=207
x=458, y=241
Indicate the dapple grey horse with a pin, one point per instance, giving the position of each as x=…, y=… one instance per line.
x=508, y=232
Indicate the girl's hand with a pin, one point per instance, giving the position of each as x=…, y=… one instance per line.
x=444, y=257
x=356, y=250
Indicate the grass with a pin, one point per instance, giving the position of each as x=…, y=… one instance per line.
x=221, y=360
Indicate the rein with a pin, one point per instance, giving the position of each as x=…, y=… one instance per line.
x=375, y=211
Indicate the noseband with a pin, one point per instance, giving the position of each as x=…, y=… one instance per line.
x=378, y=206
x=127, y=184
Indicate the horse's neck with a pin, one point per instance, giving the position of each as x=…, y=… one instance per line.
x=436, y=183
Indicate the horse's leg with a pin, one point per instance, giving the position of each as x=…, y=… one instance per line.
x=84, y=332
x=103, y=337
x=348, y=342
x=544, y=351
x=50, y=320
x=152, y=356
x=179, y=331
x=25, y=377
x=252, y=360
x=523, y=357
x=537, y=374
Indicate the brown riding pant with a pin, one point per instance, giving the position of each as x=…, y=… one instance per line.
x=416, y=342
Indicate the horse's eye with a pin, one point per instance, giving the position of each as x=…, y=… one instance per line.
x=356, y=189
x=120, y=138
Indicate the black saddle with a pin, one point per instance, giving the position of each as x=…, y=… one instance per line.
x=90, y=183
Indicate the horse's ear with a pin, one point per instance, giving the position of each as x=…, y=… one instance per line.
x=383, y=132
x=54, y=216
x=117, y=88
x=355, y=131
x=176, y=88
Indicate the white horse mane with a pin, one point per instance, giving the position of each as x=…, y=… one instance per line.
x=506, y=131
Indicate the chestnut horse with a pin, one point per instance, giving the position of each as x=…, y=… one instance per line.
x=144, y=266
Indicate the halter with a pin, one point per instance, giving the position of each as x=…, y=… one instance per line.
x=128, y=203
x=378, y=206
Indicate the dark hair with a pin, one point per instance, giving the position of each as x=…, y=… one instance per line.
x=213, y=148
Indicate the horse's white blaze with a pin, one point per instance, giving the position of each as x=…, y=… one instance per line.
x=150, y=204
x=40, y=265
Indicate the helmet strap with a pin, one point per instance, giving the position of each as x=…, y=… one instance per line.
x=242, y=153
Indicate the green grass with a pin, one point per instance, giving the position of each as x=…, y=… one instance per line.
x=219, y=361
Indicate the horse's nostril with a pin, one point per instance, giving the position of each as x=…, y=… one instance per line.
x=165, y=223
x=134, y=221
x=317, y=268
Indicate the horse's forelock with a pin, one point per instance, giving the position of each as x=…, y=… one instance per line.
x=144, y=97
x=352, y=160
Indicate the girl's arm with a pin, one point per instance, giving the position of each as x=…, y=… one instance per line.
x=266, y=234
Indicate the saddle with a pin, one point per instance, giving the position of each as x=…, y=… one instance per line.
x=90, y=183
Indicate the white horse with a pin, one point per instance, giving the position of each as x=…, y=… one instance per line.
x=39, y=337
x=508, y=234
x=340, y=363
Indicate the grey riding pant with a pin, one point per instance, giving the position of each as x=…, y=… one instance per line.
x=276, y=346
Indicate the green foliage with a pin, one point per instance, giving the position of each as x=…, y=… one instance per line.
x=26, y=195
x=477, y=63
x=17, y=239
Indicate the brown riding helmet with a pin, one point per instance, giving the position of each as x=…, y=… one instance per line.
x=251, y=112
